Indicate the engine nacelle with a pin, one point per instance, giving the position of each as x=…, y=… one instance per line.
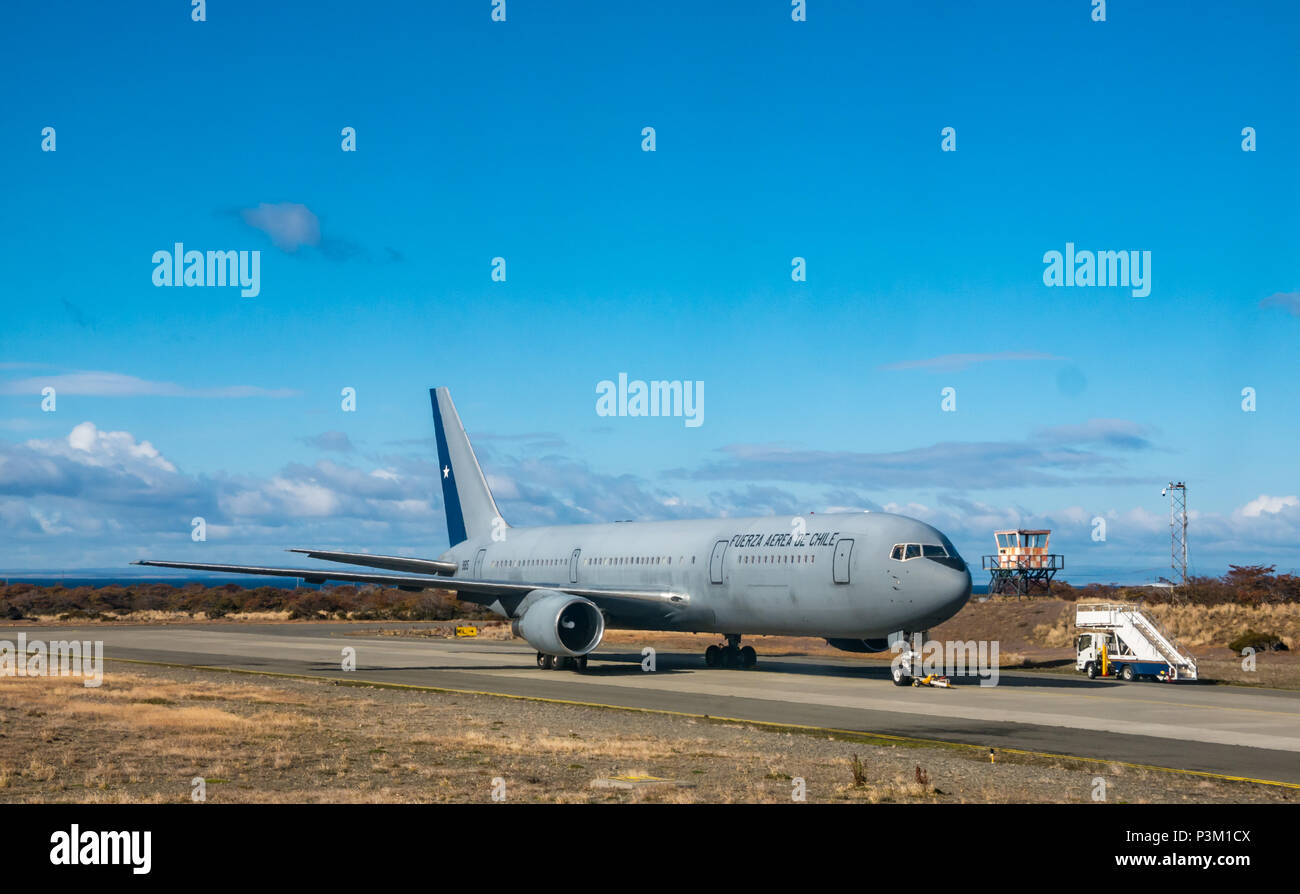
x=558, y=623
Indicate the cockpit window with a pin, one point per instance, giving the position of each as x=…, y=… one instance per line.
x=904, y=551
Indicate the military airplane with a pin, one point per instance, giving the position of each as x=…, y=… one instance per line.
x=863, y=580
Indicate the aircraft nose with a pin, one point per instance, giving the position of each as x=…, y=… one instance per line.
x=949, y=590
x=956, y=592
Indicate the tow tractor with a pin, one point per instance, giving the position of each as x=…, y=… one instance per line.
x=1120, y=640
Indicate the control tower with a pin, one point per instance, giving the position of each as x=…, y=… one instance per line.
x=1021, y=562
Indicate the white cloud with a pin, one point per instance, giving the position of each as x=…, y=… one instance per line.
x=1266, y=504
x=289, y=224
x=302, y=498
x=958, y=362
x=117, y=451
x=1288, y=300
x=105, y=497
x=96, y=383
x=1121, y=433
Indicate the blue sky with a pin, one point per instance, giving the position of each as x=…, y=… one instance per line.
x=774, y=139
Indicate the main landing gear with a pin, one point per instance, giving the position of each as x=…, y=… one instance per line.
x=730, y=655
x=561, y=662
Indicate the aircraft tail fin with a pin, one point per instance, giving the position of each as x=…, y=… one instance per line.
x=471, y=511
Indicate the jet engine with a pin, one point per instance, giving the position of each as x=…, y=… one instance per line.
x=556, y=623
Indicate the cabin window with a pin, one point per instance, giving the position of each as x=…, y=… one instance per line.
x=913, y=551
x=897, y=552
x=934, y=552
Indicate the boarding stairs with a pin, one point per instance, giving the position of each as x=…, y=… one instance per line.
x=1140, y=632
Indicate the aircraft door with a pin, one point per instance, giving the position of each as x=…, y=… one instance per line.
x=478, y=563
x=715, y=561
x=843, y=549
x=573, y=566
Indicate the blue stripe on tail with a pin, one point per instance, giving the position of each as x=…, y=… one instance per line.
x=450, y=497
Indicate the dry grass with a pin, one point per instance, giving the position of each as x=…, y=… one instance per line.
x=145, y=735
x=1217, y=625
x=1197, y=625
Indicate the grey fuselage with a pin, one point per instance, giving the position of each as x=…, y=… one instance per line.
x=821, y=575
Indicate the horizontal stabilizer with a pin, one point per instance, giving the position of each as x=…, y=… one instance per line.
x=392, y=563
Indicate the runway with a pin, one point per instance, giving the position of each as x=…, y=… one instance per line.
x=1223, y=730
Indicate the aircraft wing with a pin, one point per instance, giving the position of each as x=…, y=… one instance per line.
x=483, y=592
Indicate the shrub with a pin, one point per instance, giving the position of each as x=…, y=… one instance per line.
x=1260, y=642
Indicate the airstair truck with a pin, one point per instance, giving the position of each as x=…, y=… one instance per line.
x=1120, y=640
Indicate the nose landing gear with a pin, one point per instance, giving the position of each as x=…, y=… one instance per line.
x=906, y=663
x=731, y=654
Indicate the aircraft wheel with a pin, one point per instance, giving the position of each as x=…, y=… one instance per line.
x=541, y=660
x=580, y=663
x=548, y=662
x=748, y=657
x=1127, y=673
x=712, y=656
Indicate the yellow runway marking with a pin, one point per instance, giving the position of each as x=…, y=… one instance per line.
x=1154, y=701
x=771, y=724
